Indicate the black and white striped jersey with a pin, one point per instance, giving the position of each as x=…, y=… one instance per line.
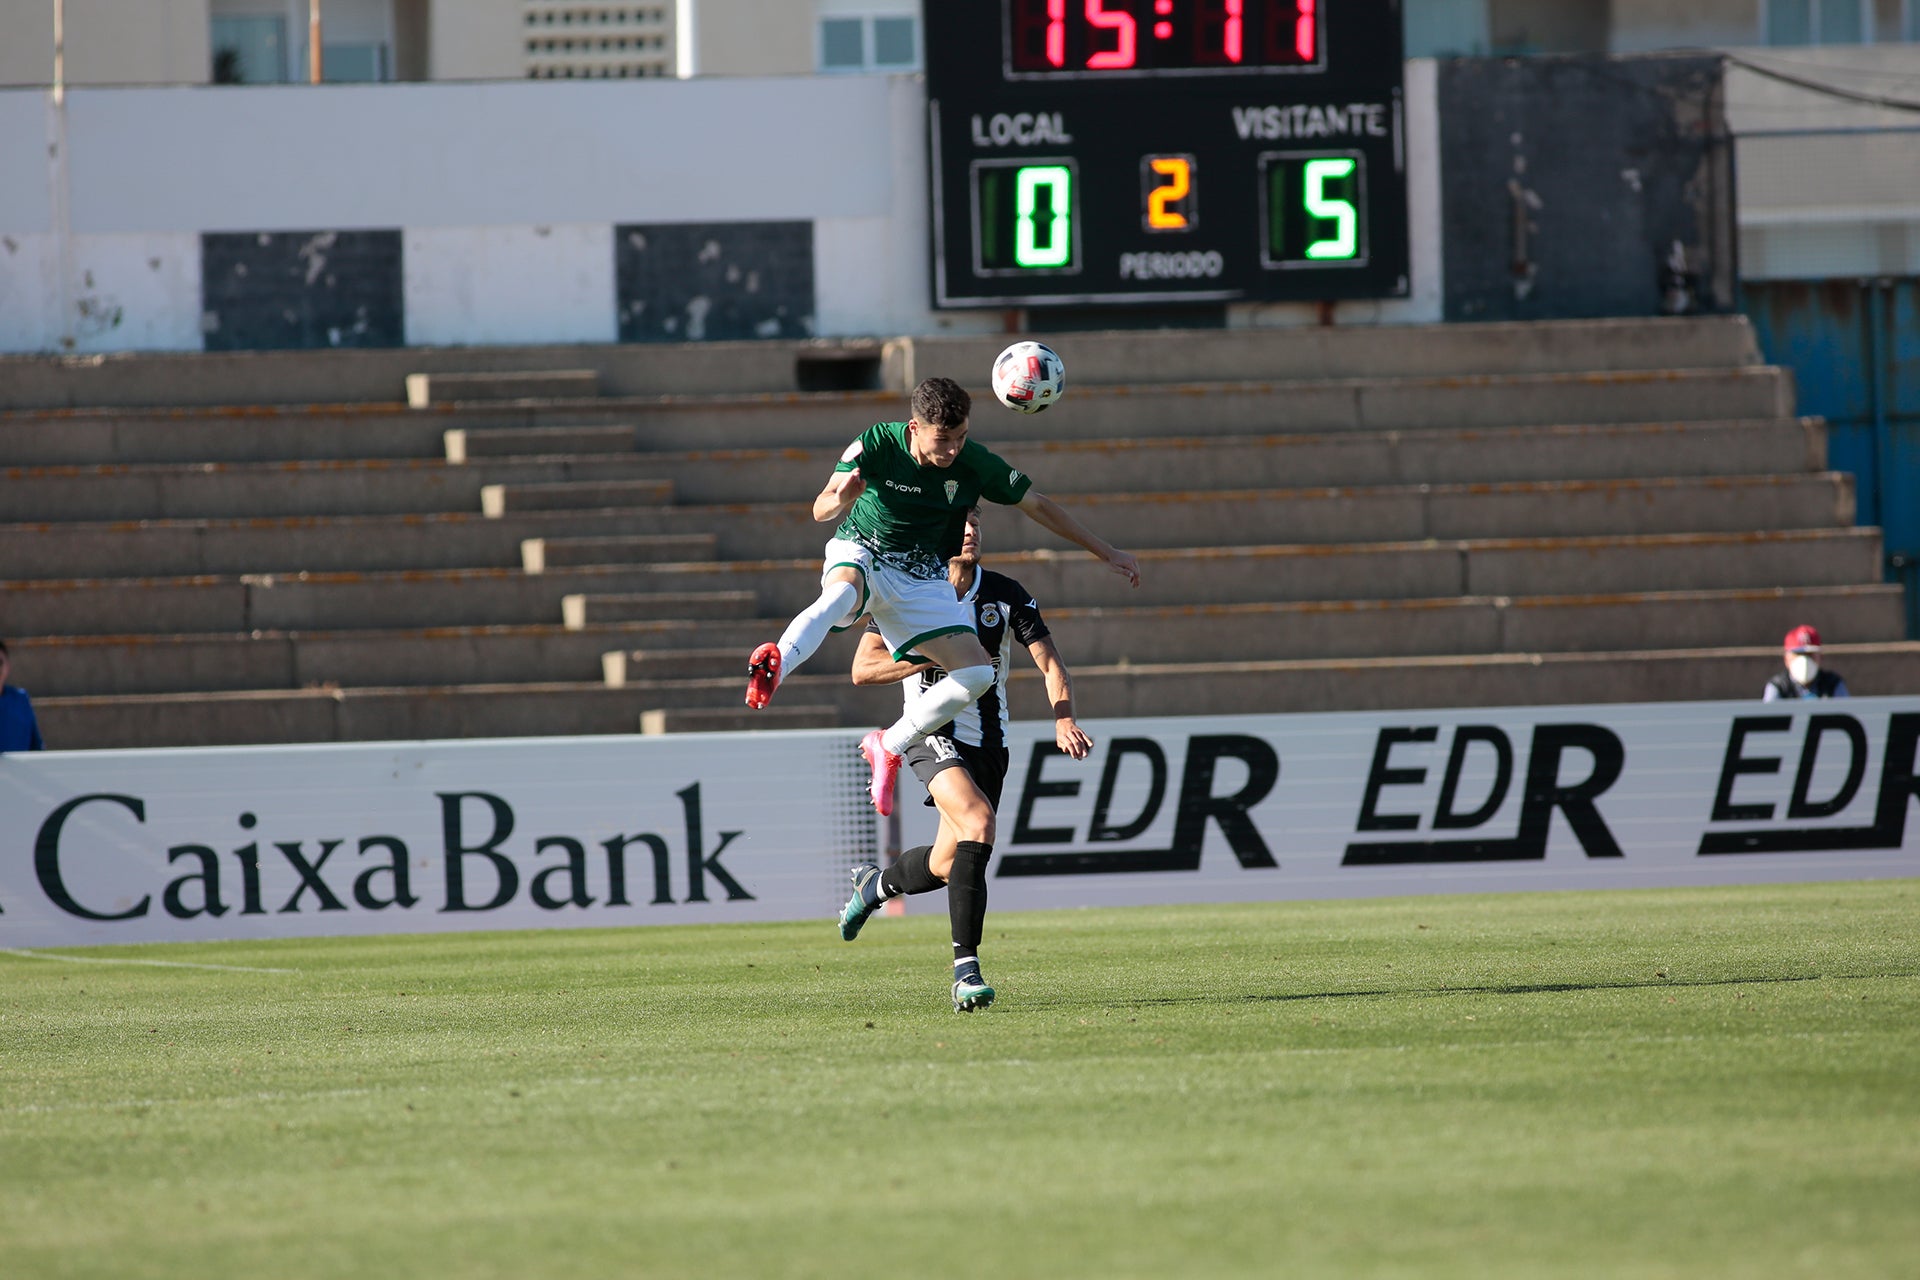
x=1001, y=608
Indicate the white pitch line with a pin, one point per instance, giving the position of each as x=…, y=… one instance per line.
x=163, y=964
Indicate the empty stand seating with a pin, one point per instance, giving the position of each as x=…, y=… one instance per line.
x=1326, y=519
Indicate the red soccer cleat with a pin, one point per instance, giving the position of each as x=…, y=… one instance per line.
x=886, y=770
x=763, y=675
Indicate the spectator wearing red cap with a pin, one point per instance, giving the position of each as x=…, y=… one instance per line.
x=1803, y=677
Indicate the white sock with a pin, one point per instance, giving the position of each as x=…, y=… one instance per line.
x=810, y=626
x=936, y=705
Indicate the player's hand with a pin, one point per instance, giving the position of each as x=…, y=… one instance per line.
x=1125, y=565
x=849, y=485
x=1071, y=738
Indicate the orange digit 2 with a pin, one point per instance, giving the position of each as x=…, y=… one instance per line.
x=1180, y=173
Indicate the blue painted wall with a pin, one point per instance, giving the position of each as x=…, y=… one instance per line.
x=1854, y=348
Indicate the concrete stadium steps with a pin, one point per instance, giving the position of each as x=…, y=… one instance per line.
x=534, y=710
x=348, y=488
x=822, y=420
x=319, y=544
x=1060, y=579
x=1235, y=408
x=380, y=373
x=69, y=666
x=367, y=714
x=690, y=648
x=319, y=601
x=1606, y=452
x=1403, y=628
x=1499, y=680
x=1555, y=346
x=1191, y=577
x=241, y=434
x=1474, y=625
x=424, y=389
x=574, y=495
x=557, y=481
x=463, y=445
x=540, y=554
x=737, y=720
x=1326, y=519
x=1415, y=512
x=1140, y=521
x=1588, y=452
x=579, y=611
x=715, y=368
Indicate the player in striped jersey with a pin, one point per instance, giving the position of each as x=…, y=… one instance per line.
x=964, y=761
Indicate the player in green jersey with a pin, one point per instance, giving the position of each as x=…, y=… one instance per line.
x=900, y=494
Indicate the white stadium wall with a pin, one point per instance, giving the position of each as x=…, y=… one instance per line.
x=137, y=846
x=502, y=192
x=481, y=286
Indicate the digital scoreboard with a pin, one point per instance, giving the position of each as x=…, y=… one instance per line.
x=1096, y=151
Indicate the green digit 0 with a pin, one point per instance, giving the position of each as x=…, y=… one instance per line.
x=1345, y=240
x=1058, y=182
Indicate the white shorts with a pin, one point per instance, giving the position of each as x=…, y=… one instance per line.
x=907, y=610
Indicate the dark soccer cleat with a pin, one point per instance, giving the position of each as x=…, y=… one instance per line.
x=763, y=675
x=865, y=899
x=886, y=769
x=970, y=990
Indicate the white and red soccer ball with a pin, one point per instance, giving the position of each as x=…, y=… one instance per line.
x=1028, y=377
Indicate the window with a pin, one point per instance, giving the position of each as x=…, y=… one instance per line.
x=249, y=50
x=843, y=44
x=893, y=44
x=852, y=45
x=1446, y=28
x=1808, y=22
x=265, y=41
x=354, y=63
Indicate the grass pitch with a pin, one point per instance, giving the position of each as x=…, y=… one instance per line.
x=1663, y=1084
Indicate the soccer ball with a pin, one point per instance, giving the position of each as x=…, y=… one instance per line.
x=1028, y=376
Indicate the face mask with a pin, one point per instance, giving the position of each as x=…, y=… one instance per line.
x=1803, y=667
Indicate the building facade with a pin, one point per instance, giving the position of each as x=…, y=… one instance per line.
x=265, y=41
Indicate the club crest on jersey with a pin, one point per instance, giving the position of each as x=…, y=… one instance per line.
x=990, y=615
x=952, y=487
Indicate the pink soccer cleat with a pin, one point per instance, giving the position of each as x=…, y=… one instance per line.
x=886, y=770
x=763, y=675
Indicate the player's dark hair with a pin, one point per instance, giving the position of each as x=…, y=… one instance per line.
x=941, y=402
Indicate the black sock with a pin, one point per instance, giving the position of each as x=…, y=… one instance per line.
x=909, y=874
x=967, y=896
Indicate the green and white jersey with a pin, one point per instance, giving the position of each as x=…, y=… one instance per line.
x=912, y=517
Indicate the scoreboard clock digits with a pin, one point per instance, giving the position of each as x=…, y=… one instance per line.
x=1194, y=37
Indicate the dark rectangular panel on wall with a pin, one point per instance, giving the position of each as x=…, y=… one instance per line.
x=1568, y=182
x=714, y=281
x=296, y=290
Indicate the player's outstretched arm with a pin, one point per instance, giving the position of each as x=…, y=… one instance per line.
x=1067, y=733
x=873, y=663
x=843, y=490
x=1048, y=514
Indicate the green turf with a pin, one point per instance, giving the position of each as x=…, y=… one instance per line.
x=1674, y=1083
